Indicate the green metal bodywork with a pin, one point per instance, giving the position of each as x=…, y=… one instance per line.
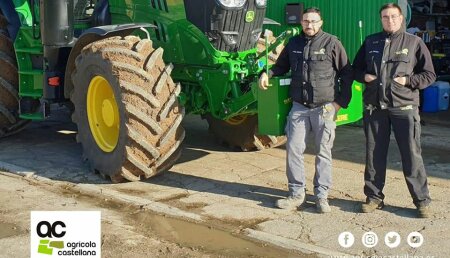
x=24, y=11
x=213, y=81
x=28, y=47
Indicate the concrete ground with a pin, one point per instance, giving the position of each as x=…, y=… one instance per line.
x=212, y=184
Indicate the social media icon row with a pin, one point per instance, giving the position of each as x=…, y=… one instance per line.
x=391, y=239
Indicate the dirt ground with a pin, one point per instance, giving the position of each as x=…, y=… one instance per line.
x=127, y=231
x=121, y=235
x=214, y=201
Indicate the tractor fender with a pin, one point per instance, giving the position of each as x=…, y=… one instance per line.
x=94, y=34
x=9, y=12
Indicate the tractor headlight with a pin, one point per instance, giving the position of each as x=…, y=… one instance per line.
x=232, y=3
x=261, y=3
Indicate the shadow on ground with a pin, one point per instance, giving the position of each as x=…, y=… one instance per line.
x=49, y=147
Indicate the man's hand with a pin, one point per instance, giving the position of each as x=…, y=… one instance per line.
x=400, y=80
x=369, y=77
x=336, y=106
x=263, y=81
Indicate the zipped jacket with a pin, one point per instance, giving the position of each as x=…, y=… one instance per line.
x=320, y=70
x=388, y=56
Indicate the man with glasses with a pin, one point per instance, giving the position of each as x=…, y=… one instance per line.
x=394, y=65
x=321, y=84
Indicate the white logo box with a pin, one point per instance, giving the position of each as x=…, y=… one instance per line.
x=79, y=230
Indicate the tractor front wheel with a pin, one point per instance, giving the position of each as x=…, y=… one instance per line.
x=126, y=109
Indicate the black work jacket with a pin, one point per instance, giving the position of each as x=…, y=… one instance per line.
x=320, y=70
x=388, y=56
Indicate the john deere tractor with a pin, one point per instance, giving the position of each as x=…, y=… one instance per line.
x=130, y=70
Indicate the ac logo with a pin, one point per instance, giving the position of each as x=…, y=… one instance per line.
x=50, y=230
x=46, y=229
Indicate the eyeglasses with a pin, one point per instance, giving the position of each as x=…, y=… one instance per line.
x=393, y=17
x=305, y=22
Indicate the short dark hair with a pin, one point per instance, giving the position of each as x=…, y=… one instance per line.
x=391, y=5
x=312, y=10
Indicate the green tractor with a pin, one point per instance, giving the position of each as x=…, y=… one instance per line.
x=130, y=70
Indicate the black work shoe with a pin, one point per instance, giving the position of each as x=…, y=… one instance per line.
x=423, y=211
x=371, y=206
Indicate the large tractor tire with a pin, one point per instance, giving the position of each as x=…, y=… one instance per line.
x=126, y=109
x=241, y=132
x=10, y=122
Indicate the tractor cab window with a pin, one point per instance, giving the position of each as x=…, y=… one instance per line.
x=83, y=9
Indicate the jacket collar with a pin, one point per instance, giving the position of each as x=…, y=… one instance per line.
x=318, y=34
x=392, y=35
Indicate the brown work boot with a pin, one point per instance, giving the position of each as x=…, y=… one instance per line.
x=371, y=205
x=423, y=211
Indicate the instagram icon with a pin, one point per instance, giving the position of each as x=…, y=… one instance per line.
x=369, y=239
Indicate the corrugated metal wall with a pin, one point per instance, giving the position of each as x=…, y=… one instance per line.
x=341, y=18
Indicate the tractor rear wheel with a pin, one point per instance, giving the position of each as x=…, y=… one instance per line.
x=126, y=109
x=242, y=132
x=10, y=122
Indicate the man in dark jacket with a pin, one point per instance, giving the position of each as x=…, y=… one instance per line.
x=394, y=65
x=317, y=60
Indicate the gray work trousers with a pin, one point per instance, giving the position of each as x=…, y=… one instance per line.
x=321, y=123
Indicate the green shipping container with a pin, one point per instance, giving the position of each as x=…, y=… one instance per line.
x=351, y=21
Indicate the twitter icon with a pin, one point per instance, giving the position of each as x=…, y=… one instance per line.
x=392, y=239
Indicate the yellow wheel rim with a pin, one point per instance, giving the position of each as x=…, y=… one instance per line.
x=103, y=114
x=236, y=120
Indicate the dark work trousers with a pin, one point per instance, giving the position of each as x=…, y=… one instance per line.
x=405, y=122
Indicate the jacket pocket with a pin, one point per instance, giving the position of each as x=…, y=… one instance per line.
x=323, y=87
x=318, y=62
x=370, y=93
x=401, y=95
x=400, y=66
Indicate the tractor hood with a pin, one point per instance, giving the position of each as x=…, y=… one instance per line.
x=230, y=26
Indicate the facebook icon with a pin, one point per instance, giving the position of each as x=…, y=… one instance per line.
x=346, y=239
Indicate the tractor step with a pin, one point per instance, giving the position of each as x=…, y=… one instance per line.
x=31, y=72
x=33, y=109
x=30, y=50
x=30, y=61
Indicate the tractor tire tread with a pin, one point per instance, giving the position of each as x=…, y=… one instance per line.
x=151, y=142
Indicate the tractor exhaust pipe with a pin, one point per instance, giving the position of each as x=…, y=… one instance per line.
x=56, y=19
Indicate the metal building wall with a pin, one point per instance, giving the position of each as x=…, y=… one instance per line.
x=341, y=18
